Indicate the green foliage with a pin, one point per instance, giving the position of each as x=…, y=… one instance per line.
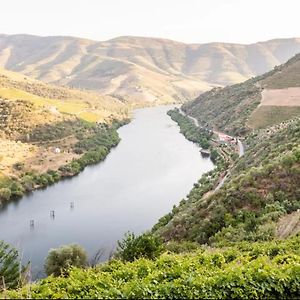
x=246, y=271
x=5, y=194
x=181, y=247
x=10, y=267
x=190, y=130
x=226, y=109
x=133, y=247
x=263, y=186
x=60, y=260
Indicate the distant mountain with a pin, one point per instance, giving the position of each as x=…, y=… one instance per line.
x=259, y=102
x=143, y=69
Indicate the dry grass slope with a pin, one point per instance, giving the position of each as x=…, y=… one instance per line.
x=141, y=69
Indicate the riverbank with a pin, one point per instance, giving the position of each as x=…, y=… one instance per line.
x=222, y=155
x=93, y=144
x=129, y=191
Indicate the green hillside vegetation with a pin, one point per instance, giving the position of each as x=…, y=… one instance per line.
x=264, y=185
x=246, y=271
x=222, y=240
x=229, y=109
x=189, y=130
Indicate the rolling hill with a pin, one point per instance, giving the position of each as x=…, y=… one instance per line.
x=48, y=132
x=141, y=69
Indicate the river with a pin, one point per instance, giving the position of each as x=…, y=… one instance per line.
x=151, y=169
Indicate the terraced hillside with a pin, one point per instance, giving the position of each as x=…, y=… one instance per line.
x=141, y=69
x=256, y=103
x=45, y=130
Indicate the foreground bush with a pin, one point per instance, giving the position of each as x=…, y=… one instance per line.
x=146, y=245
x=259, y=270
x=60, y=260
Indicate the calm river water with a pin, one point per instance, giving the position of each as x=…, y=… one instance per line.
x=151, y=169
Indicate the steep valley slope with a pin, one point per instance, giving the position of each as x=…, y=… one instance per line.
x=259, y=102
x=260, y=200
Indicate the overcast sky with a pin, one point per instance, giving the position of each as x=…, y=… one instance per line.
x=192, y=21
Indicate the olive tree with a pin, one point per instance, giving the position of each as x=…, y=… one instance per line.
x=61, y=259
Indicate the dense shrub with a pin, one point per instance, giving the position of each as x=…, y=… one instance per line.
x=5, y=194
x=60, y=260
x=190, y=130
x=133, y=247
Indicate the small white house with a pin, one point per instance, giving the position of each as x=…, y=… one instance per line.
x=56, y=150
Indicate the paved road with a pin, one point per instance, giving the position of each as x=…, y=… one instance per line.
x=240, y=144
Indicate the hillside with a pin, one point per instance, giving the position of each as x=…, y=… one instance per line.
x=259, y=102
x=260, y=197
x=141, y=69
x=250, y=271
x=48, y=132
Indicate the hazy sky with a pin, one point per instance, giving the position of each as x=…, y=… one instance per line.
x=198, y=21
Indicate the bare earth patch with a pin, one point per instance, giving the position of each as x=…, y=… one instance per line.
x=12, y=152
x=46, y=159
x=282, y=97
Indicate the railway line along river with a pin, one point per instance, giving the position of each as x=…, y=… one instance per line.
x=151, y=169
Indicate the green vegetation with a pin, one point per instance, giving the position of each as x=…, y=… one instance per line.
x=263, y=186
x=226, y=109
x=190, y=130
x=10, y=268
x=248, y=270
x=145, y=245
x=60, y=260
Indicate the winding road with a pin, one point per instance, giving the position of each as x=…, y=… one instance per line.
x=241, y=148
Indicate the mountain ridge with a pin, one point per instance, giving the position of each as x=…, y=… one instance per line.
x=141, y=69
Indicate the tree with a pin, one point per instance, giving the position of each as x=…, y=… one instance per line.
x=61, y=259
x=5, y=194
x=146, y=245
x=10, y=267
